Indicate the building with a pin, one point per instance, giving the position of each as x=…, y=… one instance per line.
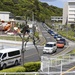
x=56, y=18
x=69, y=12
x=6, y=16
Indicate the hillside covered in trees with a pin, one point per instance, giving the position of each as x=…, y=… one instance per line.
x=25, y=8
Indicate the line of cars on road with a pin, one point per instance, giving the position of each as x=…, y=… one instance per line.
x=61, y=42
x=51, y=47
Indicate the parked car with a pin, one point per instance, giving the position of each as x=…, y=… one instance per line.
x=63, y=40
x=50, y=47
x=60, y=44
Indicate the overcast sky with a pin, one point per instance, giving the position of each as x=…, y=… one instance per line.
x=58, y=3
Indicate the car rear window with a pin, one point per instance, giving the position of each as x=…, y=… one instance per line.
x=60, y=42
x=62, y=39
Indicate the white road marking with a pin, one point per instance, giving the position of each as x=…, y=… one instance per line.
x=47, y=37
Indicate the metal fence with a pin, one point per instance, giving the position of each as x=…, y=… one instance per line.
x=59, y=64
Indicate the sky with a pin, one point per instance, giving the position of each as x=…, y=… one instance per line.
x=58, y=3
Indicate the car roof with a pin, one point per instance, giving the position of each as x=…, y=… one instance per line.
x=8, y=50
x=51, y=42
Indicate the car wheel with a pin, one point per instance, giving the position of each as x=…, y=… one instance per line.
x=4, y=66
x=16, y=62
x=55, y=51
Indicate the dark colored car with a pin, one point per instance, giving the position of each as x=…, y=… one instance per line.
x=63, y=40
x=55, y=36
x=51, y=32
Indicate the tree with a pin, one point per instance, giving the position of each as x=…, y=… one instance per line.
x=72, y=26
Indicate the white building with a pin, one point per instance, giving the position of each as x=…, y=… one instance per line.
x=56, y=18
x=6, y=16
x=69, y=12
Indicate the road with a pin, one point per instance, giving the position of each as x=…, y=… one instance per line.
x=70, y=46
x=31, y=52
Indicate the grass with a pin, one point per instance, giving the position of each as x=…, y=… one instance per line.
x=16, y=37
x=72, y=52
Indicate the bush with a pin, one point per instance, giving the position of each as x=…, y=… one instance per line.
x=32, y=66
x=37, y=35
x=28, y=67
x=14, y=69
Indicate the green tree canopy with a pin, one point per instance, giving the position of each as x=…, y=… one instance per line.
x=41, y=10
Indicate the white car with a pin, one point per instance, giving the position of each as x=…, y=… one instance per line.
x=59, y=37
x=50, y=47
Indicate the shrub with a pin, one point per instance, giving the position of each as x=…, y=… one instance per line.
x=32, y=66
x=14, y=69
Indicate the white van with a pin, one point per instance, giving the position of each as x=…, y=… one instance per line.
x=50, y=47
x=9, y=56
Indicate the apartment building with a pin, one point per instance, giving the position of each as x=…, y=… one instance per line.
x=69, y=12
x=56, y=18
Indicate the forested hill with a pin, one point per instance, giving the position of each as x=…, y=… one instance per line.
x=25, y=8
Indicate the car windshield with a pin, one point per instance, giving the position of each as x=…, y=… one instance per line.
x=49, y=45
x=0, y=55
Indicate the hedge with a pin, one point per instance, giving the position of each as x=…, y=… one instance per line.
x=14, y=69
x=32, y=66
x=28, y=67
x=68, y=35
